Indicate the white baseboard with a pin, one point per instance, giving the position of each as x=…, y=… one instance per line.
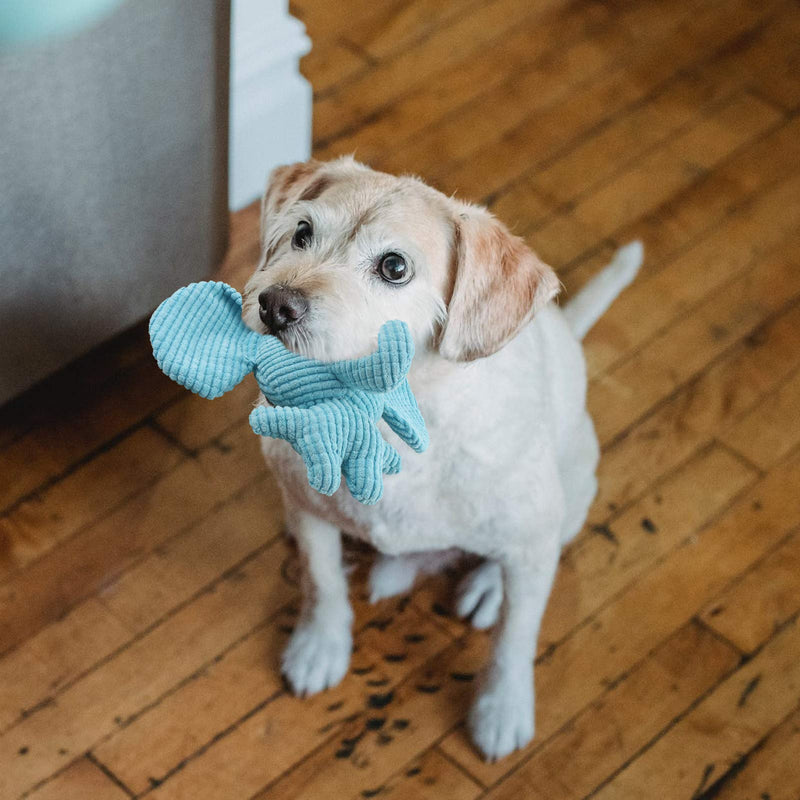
x=270, y=101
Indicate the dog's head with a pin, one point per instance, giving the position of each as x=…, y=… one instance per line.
x=345, y=249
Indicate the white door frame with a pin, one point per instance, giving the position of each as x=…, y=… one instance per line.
x=270, y=101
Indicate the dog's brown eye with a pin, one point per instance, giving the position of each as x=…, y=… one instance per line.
x=302, y=235
x=393, y=269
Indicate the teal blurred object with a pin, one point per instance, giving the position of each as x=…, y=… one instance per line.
x=28, y=21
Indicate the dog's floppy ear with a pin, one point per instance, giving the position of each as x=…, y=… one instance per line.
x=498, y=285
x=303, y=180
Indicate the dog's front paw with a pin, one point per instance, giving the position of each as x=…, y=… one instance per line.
x=317, y=656
x=480, y=595
x=501, y=718
x=390, y=576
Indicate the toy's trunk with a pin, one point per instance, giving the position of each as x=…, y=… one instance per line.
x=113, y=177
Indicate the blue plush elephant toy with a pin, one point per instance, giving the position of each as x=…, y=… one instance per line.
x=327, y=411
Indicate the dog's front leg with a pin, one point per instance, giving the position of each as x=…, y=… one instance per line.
x=502, y=717
x=318, y=653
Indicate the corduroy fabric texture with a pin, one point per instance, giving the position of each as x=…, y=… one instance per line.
x=328, y=412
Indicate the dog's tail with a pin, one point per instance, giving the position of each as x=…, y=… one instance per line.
x=593, y=300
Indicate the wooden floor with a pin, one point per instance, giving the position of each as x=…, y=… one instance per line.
x=146, y=589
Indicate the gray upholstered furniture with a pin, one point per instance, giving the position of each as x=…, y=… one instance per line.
x=113, y=177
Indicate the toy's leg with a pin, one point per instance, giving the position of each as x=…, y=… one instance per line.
x=318, y=653
x=323, y=464
x=502, y=716
x=310, y=432
x=391, y=459
x=363, y=467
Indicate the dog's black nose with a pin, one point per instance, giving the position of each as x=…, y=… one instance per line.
x=280, y=307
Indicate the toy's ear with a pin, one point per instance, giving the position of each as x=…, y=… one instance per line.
x=499, y=284
x=200, y=340
x=384, y=369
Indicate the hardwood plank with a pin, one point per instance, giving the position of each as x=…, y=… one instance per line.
x=47, y=589
x=663, y=599
x=727, y=389
x=563, y=238
x=767, y=432
x=715, y=199
x=448, y=46
x=521, y=207
x=781, y=87
x=684, y=350
x=244, y=250
x=670, y=168
x=213, y=769
x=82, y=780
x=745, y=378
x=143, y=671
x=770, y=61
x=623, y=720
x=399, y=27
x=331, y=63
x=652, y=447
x=701, y=747
x=541, y=137
x=50, y=662
x=75, y=386
x=428, y=118
x=80, y=423
x=771, y=768
x=651, y=125
x=698, y=271
x=543, y=85
x=430, y=777
x=289, y=728
x=610, y=557
x=325, y=21
x=183, y=565
x=423, y=715
x=196, y=422
x=246, y=677
x=593, y=160
x=379, y=30
x=38, y=524
x=748, y=612
x=56, y=657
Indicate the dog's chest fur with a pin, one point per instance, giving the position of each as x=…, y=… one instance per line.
x=496, y=427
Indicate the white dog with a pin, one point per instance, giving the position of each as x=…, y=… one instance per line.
x=500, y=379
